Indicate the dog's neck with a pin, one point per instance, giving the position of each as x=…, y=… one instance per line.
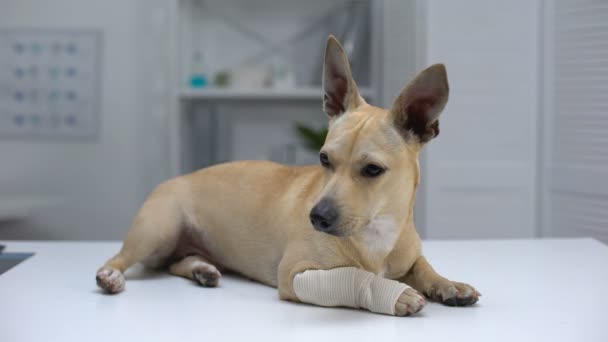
x=380, y=236
x=372, y=247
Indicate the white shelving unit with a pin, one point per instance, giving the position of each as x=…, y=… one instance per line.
x=301, y=93
x=213, y=124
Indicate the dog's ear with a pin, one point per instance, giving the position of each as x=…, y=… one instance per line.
x=416, y=110
x=340, y=90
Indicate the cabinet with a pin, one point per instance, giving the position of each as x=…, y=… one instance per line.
x=245, y=72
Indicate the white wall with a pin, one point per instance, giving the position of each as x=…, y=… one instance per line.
x=403, y=36
x=94, y=187
x=479, y=181
x=481, y=171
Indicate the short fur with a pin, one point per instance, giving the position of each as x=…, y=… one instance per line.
x=252, y=217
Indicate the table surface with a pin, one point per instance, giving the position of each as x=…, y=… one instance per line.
x=533, y=290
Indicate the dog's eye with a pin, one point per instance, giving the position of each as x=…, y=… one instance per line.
x=324, y=160
x=372, y=170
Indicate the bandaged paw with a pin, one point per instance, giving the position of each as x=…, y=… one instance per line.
x=348, y=286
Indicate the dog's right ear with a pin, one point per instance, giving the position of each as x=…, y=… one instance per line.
x=340, y=91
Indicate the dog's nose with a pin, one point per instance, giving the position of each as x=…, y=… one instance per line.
x=324, y=215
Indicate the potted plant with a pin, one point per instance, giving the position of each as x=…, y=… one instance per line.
x=312, y=139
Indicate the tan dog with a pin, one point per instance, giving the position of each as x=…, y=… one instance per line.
x=254, y=217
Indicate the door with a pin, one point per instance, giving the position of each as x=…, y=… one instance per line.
x=575, y=191
x=480, y=173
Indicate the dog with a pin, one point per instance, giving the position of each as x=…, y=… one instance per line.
x=271, y=222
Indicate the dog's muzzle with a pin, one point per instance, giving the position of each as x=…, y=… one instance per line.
x=324, y=216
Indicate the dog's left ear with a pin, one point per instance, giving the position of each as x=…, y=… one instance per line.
x=416, y=110
x=340, y=91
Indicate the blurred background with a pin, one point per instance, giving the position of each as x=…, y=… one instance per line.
x=102, y=100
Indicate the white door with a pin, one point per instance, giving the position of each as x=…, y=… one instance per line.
x=480, y=172
x=575, y=191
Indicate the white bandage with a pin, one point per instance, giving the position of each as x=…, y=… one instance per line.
x=348, y=286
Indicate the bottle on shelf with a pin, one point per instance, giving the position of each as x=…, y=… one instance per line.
x=198, y=76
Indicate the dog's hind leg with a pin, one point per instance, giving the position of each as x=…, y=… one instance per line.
x=152, y=238
x=197, y=268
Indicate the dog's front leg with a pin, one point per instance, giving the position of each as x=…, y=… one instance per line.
x=356, y=288
x=423, y=278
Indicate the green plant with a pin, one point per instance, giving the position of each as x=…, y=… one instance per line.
x=313, y=139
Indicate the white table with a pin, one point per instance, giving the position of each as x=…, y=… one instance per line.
x=543, y=290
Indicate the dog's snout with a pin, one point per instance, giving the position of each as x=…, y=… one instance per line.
x=324, y=216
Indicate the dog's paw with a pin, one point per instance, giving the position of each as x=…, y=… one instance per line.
x=111, y=280
x=454, y=294
x=206, y=275
x=409, y=302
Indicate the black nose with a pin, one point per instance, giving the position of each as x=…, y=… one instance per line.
x=324, y=216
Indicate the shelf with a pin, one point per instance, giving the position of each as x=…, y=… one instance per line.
x=259, y=94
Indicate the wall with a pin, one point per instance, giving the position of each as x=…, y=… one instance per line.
x=91, y=189
x=480, y=174
x=403, y=56
x=478, y=182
